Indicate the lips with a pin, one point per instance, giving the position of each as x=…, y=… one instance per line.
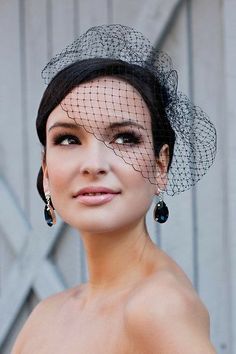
x=96, y=195
x=96, y=191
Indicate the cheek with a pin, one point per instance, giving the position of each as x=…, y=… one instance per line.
x=139, y=189
x=144, y=161
x=60, y=170
x=138, y=202
x=142, y=170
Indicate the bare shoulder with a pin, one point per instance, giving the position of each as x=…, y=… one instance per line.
x=40, y=319
x=163, y=291
x=165, y=314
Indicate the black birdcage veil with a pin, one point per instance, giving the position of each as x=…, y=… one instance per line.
x=131, y=133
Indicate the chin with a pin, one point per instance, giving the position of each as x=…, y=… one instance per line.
x=102, y=220
x=102, y=225
x=97, y=226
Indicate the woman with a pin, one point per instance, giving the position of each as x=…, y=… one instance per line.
x=115, y=133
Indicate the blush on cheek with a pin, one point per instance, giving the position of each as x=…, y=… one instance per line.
x=59, y=175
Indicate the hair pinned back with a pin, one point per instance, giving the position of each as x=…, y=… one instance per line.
x=123, y=53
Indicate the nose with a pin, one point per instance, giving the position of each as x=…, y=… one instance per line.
x=96, y=159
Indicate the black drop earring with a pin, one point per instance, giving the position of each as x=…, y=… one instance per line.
x=49, y=214
x=161, y=211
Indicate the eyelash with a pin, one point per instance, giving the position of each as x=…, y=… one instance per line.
x=133, y=138
x=58, y=139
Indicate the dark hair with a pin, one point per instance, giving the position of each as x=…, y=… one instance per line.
x=82, y=71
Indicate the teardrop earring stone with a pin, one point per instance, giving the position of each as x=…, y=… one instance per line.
x=161, y=212
x=48, y=216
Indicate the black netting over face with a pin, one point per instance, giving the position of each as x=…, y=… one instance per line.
x=116, y=114
x=133, y=106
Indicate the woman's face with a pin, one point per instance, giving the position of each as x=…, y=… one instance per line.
x=98, y=141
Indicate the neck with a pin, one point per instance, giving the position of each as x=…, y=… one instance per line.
x=116, y=260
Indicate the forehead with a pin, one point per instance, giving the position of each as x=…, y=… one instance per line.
x=105, y=100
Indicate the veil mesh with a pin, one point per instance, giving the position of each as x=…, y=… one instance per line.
x=115, y=112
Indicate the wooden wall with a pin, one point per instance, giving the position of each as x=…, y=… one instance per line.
x=200, y=36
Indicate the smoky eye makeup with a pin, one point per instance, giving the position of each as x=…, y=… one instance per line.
x=127, y=137
x=65, y=138
x=119, y=134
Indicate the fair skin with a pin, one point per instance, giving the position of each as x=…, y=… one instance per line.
x=137, y=299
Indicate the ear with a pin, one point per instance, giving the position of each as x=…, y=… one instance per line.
x=162, y=168
x=45, y=176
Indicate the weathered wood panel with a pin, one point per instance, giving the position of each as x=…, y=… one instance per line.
x=38, y=48
x=207, y=77
x=91, y=15
x=12, y=144
x=155, y=18
x=229, y=162
x=63, y=27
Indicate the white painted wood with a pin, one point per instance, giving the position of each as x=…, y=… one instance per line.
x=11, y=119
x=12, y=136
x=91, y=14
x=126, y=12
x=62, y=26
x=208, y=76
x=38, y=47
x=13, y=223
x=69, y=258
x=229, y=160
x=154, y=17
x=48, y=280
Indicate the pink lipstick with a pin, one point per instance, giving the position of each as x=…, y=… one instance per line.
x=93, y=196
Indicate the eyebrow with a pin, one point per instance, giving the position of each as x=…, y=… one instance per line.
x=111, y=126
x=125, y=124
x=63, y=125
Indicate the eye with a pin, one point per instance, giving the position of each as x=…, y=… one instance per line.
x=128, y=138
x=66, y=139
